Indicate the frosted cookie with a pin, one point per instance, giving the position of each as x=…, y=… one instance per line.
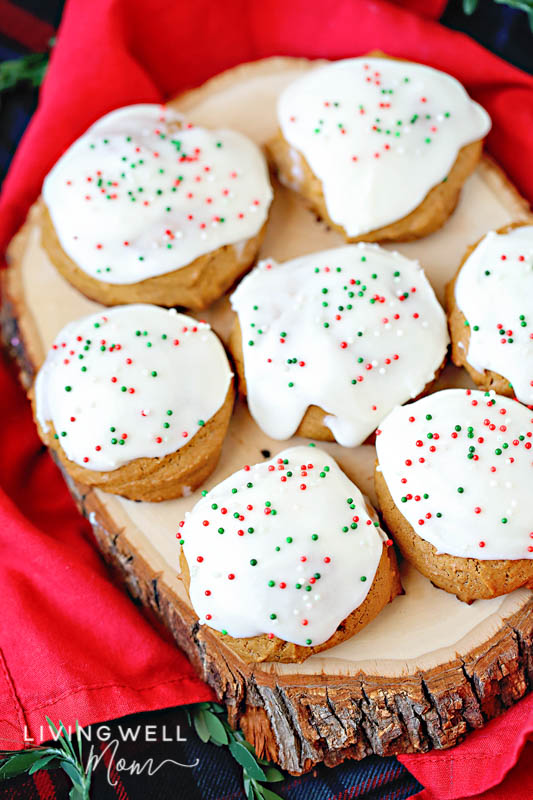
x=454, y=484
x=490, y=307
x=135, y=401
x=147, y=208
x=327, y=344
x=286, y=558
x=378, y=147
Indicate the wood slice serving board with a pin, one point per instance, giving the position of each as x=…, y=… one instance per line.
x=426, y=670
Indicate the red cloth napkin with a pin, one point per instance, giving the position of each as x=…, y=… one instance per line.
x=482, y=767
x=73, y=645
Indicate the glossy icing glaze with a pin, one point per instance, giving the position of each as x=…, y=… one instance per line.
x=143, y=193
x=129, y=382
x=459, y=466
x=379, y=134
x=286, y=547
x=355, y=331
x=494, y=291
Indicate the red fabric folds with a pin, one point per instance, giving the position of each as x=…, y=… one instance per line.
x=72, y=644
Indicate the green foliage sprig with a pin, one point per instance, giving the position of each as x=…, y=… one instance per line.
x=210, y=723
x=209, y=720
x=27, y=69
x=62, y=754
x=469, y=6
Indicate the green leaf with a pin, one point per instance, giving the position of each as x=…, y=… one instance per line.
x=42, y=763
x=202, y=706
x=248, y=789
x=78, y=737
x=257, y=790
x=243, y=757
x=268, y=794
x=273, y=775
x=53, y=728
x=19, y=763
x=522, y=5
x=78, y=793
x=200, y=726
x=217, y=708
x=30, y=68
x=469, y=6
x=73, y=773
x=65, y=742
x=215, y=728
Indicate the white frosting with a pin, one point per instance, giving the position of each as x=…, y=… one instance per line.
x=494, y=290
x=355, y=331
x=290, y=537
x=134, y=197
x=379, y=134
x=467, y=489
x=129, y=382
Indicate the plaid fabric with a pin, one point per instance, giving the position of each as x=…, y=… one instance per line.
x=499, y=28
x=25, y=26
x=216, y=776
